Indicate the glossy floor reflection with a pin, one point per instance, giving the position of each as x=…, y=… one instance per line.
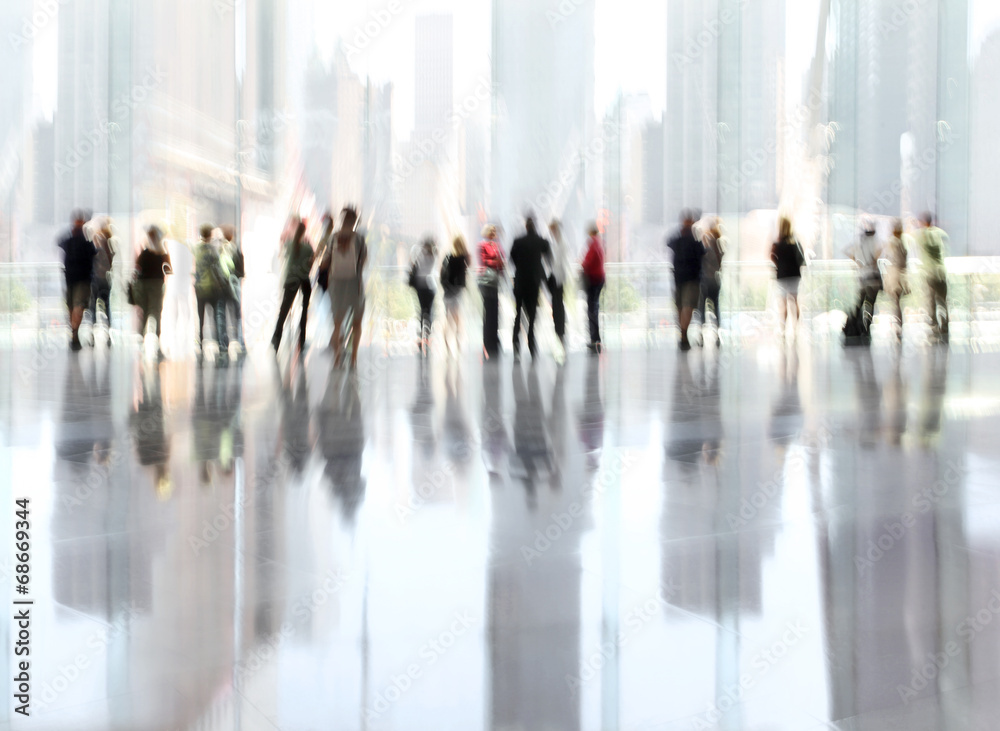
x=771, y=538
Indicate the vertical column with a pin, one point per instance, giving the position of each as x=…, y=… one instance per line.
x=728, y=151
x=119, y=139
x=953, y=122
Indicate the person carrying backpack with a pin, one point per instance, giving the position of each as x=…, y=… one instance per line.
x=210, y=287
x=453, y=275
x=234, y=267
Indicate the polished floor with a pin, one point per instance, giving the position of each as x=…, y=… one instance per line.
x=774, y=537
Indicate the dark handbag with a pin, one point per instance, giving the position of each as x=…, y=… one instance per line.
x=130, y=293
x=414, y=276
x=323, y=278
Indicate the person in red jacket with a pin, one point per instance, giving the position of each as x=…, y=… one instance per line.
x=593, y=279
x=491, y=271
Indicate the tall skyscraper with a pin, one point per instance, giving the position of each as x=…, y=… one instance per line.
x=433, y=71
x=546, y=148
x=431, y=151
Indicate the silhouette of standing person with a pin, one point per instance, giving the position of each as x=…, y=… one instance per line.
x=528, y=254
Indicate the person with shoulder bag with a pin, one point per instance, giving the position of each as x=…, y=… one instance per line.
x=453, y=276
x=421, y=278
x=344, y=256
x=151, y=268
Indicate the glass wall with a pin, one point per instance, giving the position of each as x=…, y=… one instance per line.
x=438, y=117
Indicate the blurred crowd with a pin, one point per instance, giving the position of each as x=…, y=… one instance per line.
x=538, y=265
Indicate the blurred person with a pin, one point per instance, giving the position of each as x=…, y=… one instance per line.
x=788, y=259
x=711, y=276
x=491, y=271
x=210, y=286
x=453, y=275
x=344, y=257
x=78, y=264
x=933, y=248
x=151, y=267
x=422, y=278
x=864, y=254
x=557, y=280
x=528, y=254
x=103, y=274
x=688, y=253
x=593, y=280
x=296, y=264
x=234, y=266
x=322, y=245
x=896, y=283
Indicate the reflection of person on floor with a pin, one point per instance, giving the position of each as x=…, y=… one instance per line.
x=591, y=416
x=531, y=442
x=496, y=442
x=149, y=433
x=786, y=413
x=894, y=400
x=686, y=437
x=342, y=441
x=294, y=431
x=869, y=397
x=933, y=388
x=231, y=442
x=457, y=431
x=207, y=422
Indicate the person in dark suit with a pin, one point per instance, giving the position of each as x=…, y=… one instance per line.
x=528, y=254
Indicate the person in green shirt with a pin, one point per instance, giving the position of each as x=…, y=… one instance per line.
x=932, y=245
x=297, y=260
x=210, y=287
